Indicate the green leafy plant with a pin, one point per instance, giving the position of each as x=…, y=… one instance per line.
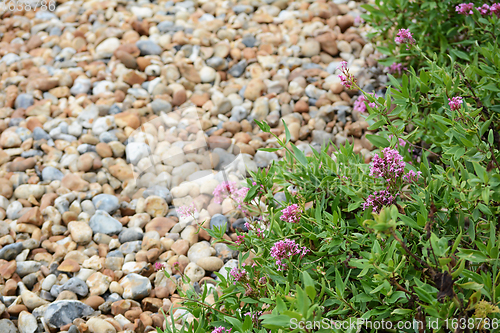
x=411, y=237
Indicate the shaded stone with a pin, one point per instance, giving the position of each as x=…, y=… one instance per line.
x=62, y=313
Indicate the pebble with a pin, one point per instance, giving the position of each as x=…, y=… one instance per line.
x=102, y=222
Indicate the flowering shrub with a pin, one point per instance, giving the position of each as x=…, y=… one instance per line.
x=411, y=236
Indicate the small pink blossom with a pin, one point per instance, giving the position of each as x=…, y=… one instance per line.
x=389, y=167
x=221, y=329
x=254, y=316
x=186, y=211
x=159, y=266
x=238, y=274
x=465, y=8
x=346, y=78
x=412, y=176
x=455, y=103
x=285, y=249
x=396, y=68
x=379, y=199
x=360, y=106
x=404, y=36
x=240, y=239
x=291, y=214
x=484, y=9
x=495, y=9
x=239, y=196
x=223, y=190
x=358, y=20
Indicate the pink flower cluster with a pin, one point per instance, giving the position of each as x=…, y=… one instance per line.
x=467, y=9
x=359, y=104
x=389, y=167
x=222, y=190
x=240, y=239
x=412, y=176
x=379, y=199
x=221, y=329
x=455, y=103
x=404, y=36
x=396, y=68
x=285, y=249
x=495, y=9
x=258, y=231
x=346, y=78
x=238, y=274
x=255, y=316
x=186, y=211
x=230, y=189
x=291, y=214
x=240, y=195
x=159, y=266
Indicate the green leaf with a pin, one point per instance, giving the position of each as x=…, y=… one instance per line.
x=471, y=285
x=309, y=283
x=287, y=132
x=273, y=321
x=384, y=50
x=490, y=137
x=263, y=126
x=460, y=54
x=271, y=150
x=299, y=155
x=491, y=86
x=377, y=125
x=235, y=322
x=378, y=141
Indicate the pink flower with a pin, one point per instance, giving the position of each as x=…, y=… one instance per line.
x=388, y=167
x=238, y=274
x=359, y=104
x=404, y=37
x=263, y=280
x=411, y=176
x=401, y=142
x=291, y=214
x=346, y=78
x=186, y=211
x=285, y=249
x=222, y=190
x=484, y=9
x=159, y=266
x=239, y=196
x=358, y=20
x=221, y=329
x=379, y=199
x=396, y=68
x=465, y=8
x=240, y=239
x=455, y=103
x=255, y=316
x=495, y=9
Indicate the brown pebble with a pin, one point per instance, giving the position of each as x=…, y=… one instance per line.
x=301, y=106
x=179, y=97
x=94, y=301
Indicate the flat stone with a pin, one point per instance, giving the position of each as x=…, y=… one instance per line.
x=103, y=223
x=135, y=286
x=61, y=313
